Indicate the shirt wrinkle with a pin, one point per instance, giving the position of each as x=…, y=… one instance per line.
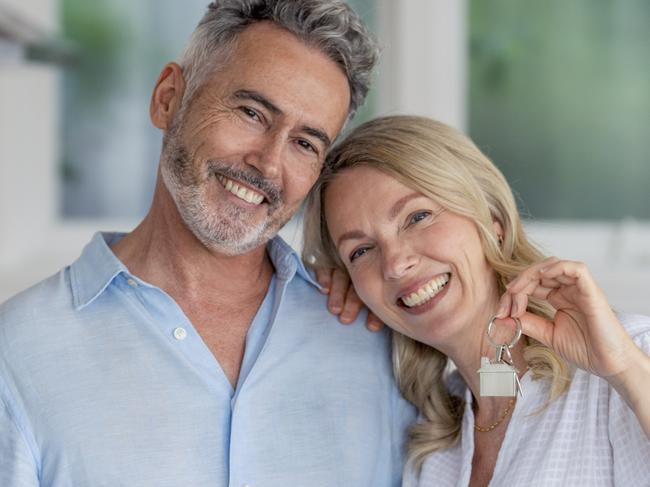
x=20, y=423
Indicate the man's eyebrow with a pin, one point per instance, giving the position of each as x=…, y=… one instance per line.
x=400, y=203
x=354, y=234
x=259, y=98
x=319, y=134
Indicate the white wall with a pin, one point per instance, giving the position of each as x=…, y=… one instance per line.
x=423, y=69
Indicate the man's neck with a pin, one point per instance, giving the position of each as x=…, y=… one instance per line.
x=163, y=252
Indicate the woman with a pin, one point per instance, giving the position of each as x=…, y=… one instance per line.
x=428, y=231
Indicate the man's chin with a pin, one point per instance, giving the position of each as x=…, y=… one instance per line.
x=235, y=245
x=228, y=236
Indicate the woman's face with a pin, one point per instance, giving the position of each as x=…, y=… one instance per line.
x=419, y=267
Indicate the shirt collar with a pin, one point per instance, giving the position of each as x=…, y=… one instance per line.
x=95, y=269
x=287, y=262
x=97, y=266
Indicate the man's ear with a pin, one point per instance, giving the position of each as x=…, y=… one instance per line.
x=167, y=96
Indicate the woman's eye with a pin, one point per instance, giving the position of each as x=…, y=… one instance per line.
x=358, y=253
x=418, y=217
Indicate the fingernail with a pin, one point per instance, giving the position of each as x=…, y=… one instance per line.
x=335, y=309
x=324, y=290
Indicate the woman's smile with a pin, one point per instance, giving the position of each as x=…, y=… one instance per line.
x=423, y=294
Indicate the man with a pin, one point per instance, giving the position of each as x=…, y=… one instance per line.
x=196, y=350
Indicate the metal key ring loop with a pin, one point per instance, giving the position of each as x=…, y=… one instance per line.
x=514, y=340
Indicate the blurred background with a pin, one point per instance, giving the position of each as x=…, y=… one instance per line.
x=557, y=93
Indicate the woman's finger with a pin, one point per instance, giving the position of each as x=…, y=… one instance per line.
x=537, y=327
x=505, y=305
x=373, y=322
x=338, y=291
x=351, y=307
x=558, y=282
x=519, y=304
x=568, y=272
x=542, y=292
x=538, y=288
x=575, y=273
x=324, y=278
x=529, y=275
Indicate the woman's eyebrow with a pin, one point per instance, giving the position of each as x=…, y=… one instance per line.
x=400, y=203
x=353, y=234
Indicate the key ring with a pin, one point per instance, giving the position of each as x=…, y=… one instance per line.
x=514, y=340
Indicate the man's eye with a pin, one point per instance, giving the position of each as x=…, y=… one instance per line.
x=307, y=145
x=250, y=113
x=418, y=217
x=358, y=253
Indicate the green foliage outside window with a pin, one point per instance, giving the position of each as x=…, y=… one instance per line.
x=560, y=100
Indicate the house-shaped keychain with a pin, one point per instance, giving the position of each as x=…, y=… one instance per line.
x=497, y=379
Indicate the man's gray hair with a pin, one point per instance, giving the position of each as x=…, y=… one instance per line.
x=329, y=25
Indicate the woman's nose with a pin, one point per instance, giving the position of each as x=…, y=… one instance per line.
x=397, y=263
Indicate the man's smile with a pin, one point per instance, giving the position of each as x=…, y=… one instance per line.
x=242, y=192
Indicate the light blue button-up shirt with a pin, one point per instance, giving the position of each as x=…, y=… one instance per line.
x=105, y=382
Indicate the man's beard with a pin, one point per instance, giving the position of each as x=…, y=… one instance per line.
x=219, y=226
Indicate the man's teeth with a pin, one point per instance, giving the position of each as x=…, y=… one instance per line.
x=426, y=292
x=241, y=192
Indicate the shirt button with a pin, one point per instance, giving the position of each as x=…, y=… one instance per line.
x=132, y=283
x=245, y=485
x=180, y=333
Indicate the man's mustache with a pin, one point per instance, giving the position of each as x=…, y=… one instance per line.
x=252, y=177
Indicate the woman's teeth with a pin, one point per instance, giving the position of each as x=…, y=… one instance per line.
x=426, y=292
x=248, y=195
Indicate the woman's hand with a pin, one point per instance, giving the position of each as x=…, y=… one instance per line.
x=343, y=300
x=584, y=330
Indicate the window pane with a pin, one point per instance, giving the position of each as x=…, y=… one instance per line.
x=110, y=149
x=560, y=100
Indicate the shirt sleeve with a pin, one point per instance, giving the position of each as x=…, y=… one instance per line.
x=17, y=465
x=630, y=446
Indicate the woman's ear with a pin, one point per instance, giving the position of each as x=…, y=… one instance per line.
x=167, y=96
x=498, y=231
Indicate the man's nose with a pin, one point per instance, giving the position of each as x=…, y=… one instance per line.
x=397, y=262
x=266, y=155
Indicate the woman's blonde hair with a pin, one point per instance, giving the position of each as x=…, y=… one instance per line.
x=446, y=166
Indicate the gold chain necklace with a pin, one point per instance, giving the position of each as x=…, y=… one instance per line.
x=485, y=429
